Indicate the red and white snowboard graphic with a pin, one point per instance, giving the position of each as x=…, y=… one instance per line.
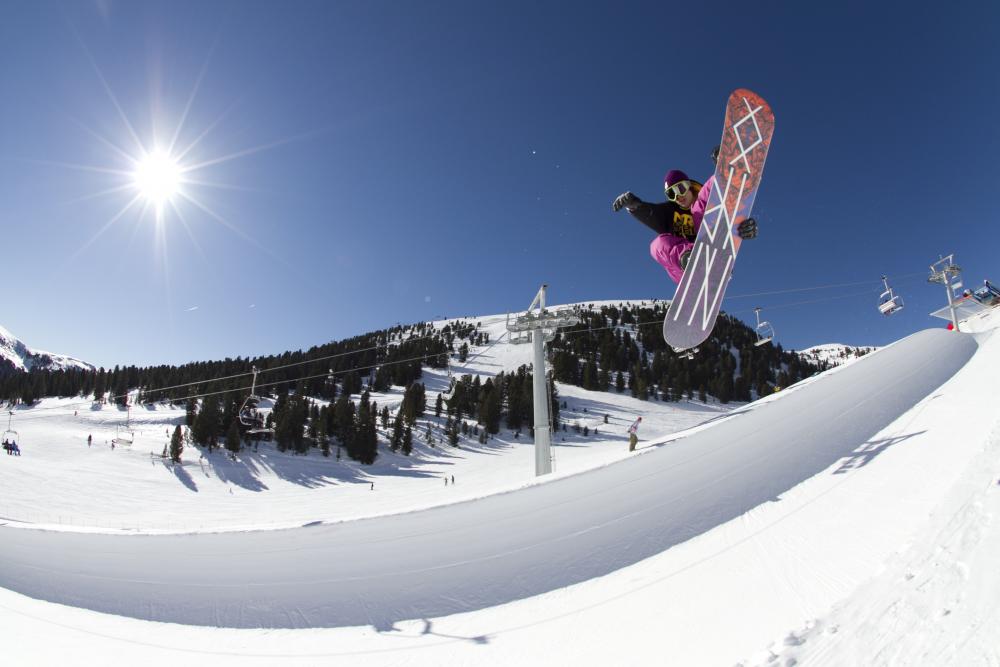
x=746, y=136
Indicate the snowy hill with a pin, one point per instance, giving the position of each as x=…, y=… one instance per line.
x=834, y=354
x=846, y=520
x=16, y=356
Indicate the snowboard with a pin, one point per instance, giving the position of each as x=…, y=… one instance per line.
x=746, y=136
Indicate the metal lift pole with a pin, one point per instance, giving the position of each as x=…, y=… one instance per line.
x=540, y=327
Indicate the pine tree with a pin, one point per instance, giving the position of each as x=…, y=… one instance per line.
x=554, y=413
x=344, y=426
x=397, y=431
x=322, y=435
x=233, y=443
x=99, y=386
x=176, y=444
x=490, y=410
x=191, y=412
x=289, y=429
x=206, y=424
x=365, y=445
x=408, y=440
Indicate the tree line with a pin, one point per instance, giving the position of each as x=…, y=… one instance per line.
x=613, y=348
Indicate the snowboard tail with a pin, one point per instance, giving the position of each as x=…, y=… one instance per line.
x=746, y=137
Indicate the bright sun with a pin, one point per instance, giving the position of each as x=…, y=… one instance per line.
x=157, y=177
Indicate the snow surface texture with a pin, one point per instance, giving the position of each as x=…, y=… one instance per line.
x=501, y=548
x=878, y=552
x=23, y=358
x=132, y=489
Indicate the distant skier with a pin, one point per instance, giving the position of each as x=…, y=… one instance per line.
x=633, y=434
x=676, y=221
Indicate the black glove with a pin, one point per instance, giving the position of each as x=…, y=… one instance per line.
x=625, y=200
x=714, y=154
x=747, y=229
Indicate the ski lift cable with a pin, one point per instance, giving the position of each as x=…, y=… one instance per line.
x=449, y=393
x=822, y=287
x=811, y=301
x=35, y=415
x=488, y=321
x=154, y=390
x=420, y=338
x=481, y=352
x=293, y=364
x=867, y=292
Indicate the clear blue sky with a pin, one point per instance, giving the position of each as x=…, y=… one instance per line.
x=378, y=162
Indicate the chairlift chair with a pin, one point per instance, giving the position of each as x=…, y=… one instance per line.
x=889, y=303
x=248, y=415
x=124, y=435
x=988, y=294
x=10, y=435
x=765, y=332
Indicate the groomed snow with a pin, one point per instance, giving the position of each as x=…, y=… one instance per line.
x=883, y=555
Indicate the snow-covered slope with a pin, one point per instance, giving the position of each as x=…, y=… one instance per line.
x=866, y=536
x=19, y=357
x=834, y=354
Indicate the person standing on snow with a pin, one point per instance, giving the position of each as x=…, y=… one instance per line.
x=633, y=434
x=676, y=221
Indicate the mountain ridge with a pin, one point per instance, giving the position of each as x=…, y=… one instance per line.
x=17, y=357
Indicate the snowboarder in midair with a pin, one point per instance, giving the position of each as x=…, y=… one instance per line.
x=677, y=220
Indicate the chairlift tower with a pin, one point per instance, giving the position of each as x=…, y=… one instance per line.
x=539, y=326
x=947, y=273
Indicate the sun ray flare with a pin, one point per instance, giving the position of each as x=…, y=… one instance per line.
x=106, y=226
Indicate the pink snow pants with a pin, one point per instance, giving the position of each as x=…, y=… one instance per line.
x=667, y=249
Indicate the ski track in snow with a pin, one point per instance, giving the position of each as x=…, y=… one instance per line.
x=936, y=602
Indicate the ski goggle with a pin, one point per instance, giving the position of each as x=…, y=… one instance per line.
x=677, y=190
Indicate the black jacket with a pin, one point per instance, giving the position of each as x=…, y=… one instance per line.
x=666, y=218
